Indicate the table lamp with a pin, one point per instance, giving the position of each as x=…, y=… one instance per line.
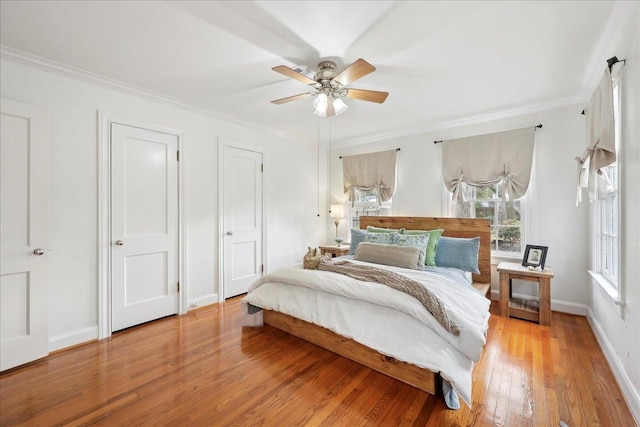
x=337, y=212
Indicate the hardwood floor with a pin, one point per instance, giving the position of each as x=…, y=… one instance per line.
x=203, y=368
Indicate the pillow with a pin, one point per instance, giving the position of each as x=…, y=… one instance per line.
x=394, y=255
x=434, y=238
x=357, y=237
x=384, y=238
x=372, y=229
x=459, y=253
x=419, y=241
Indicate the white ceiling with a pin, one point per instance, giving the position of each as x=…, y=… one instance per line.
x=440, y=61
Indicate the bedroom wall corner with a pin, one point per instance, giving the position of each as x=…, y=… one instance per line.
x=419, y=190
x=616, y=329
x=73, y=102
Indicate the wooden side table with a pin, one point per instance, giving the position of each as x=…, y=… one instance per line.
x=334, y=250
x=523, y=309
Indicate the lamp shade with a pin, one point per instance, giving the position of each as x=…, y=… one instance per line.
x=337, y=211
x=320, y=105
x=339, y=106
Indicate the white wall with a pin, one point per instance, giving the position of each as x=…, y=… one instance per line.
x=554, y=219
x=290, y=204
x=618, y=330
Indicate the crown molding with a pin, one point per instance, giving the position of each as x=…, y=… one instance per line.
x=21, y=57
x=467, y=121
x=48, y=65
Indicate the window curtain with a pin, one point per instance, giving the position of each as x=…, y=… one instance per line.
x=372, y=171
x=601, y=145
x=502, y=158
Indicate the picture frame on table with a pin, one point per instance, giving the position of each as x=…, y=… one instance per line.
x=535, y=256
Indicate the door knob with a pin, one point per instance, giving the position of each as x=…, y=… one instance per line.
x=229, y=233
x=119, y=243
x=38, y=251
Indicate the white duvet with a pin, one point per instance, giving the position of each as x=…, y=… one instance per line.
x=384, y=319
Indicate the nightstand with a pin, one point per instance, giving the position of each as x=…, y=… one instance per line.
x=334, y=250
x=535, y=311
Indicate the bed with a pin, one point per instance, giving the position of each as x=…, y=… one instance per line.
x=393, y=348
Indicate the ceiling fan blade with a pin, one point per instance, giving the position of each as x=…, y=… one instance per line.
x=367, y=95
x=282, y=69
x=355, y=71
x=292, y=98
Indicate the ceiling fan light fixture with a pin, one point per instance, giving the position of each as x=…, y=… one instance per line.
x=330, y=86
x=339, y=106
x=320, y=105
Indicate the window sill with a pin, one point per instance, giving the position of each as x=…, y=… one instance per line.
x=498, y=258
x=610, y=292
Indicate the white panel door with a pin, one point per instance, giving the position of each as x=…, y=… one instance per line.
x=24, y=189
x=242, y=220
x=144, y=225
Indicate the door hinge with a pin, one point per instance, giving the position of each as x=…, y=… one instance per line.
x=178, y=155
x=178, y=286
x=262, y=268
x=261, y=167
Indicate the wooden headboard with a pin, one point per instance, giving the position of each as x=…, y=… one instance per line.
x=453, y=227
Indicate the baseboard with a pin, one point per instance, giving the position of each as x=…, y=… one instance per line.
x=91, y=333
x=569, y=307
x=73, y=338
x=556, y=305
x=202, y=301
x=631, y=395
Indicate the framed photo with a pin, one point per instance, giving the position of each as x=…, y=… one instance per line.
x=535, y=256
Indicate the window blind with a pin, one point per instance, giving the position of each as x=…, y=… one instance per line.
x=502, y=158
x=601, y=145
x=371, y=171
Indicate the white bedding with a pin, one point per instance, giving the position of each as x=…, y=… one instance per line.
x=384, y=319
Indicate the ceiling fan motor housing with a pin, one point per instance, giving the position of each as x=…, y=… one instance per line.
x=326, y=72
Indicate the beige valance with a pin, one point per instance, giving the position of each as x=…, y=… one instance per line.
x=502, y=158
x=601, y=145
x=371, y=171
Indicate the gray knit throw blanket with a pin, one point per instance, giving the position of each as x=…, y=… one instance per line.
x=396, y=281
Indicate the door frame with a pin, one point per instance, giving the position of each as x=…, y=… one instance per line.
x=222, y=143
x=104, y=214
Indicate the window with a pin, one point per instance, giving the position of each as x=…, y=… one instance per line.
x=606, y=209
x=365, y=204
x=507, y=218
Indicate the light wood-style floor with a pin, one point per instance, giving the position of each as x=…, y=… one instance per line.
x=204, y=369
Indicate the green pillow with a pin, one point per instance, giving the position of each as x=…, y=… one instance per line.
x=372, y=229
x=434, y=237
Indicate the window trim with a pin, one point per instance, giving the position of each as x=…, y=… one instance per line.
x=497, y=256
x=609, y=286
x=368, y=206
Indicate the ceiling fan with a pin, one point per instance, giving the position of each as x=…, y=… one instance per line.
x=330, y=86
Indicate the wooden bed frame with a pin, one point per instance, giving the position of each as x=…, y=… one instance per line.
x=420, y=378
